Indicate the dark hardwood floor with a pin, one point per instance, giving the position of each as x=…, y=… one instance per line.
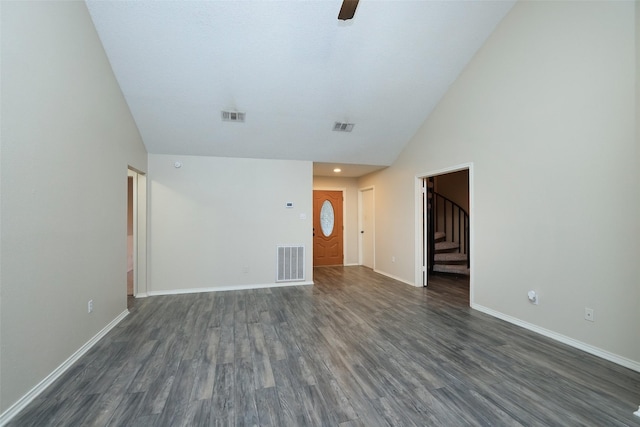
x=356, y=349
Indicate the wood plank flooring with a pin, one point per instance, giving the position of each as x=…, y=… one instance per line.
x=355, y=349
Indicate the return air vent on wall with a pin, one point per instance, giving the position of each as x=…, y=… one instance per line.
x=233, y=116
x=343, y=127
x=290, y=260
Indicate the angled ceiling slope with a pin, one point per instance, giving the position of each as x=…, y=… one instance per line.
x=293, y=68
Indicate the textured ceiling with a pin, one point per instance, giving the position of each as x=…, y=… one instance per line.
x=293, y=68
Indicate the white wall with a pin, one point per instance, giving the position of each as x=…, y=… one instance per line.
x=350, y=188
x=215, y=222
x=67, y=139
x=546, y=114
x=637, y=120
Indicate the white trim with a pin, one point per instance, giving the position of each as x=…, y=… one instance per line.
x=472, y=233
x=443, y=171
x=14, y=409
x=227, y=288
x=420, y=217
x=142, y=234
x=391, y=276
x=472, y=228
x=619, y=360
x=371, y=188
x=351, y=265
x=139, y=231
x=134, y=220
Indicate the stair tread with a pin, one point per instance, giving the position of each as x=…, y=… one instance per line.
x=446, y=246
x=438, y=236
x=446, y=268
x=451, y=256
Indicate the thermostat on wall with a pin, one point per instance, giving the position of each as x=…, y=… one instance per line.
x=289, y=205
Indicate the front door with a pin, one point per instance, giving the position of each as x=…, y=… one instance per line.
x=327, y=228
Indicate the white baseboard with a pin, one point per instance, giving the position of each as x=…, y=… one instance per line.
x=227, y=288
x=14, y=409
x=391, y=276
x=611, y=357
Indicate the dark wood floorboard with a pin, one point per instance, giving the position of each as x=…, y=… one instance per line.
x=355, y=349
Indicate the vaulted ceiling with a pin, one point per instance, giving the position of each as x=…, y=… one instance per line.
x=293, y=68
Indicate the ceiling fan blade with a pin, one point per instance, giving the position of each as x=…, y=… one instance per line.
x=348, y=9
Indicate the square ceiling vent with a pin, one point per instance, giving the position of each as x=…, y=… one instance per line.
x=343, y=127
x=233, y=116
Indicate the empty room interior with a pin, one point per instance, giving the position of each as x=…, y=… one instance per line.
x=172, y=175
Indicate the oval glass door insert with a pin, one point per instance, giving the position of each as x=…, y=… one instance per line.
x=326, y=218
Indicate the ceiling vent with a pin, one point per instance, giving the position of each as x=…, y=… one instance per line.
x=343, y=127
x=232, y=116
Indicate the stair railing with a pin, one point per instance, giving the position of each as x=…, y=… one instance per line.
x=449, y=217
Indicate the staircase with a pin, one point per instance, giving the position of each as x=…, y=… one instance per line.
x=447, y=257
x=448, y=234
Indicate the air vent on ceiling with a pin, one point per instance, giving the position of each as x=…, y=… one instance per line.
x=233, y=116
x=343, y=127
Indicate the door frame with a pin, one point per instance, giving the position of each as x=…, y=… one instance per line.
x=139, y=232
x=421, y=245
x=343, y=190
x=371, y=188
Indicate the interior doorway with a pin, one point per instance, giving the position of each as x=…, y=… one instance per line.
x=444, y=218
x=328, y=239
x=136, y=235
x=130, y=234
x=366, y=207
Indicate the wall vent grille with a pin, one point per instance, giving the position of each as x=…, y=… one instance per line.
x=290, y=263
x=343, y=127
x=233, y=116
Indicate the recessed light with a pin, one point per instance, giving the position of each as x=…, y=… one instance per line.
x=337, y=170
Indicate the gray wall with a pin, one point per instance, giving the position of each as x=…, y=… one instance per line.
x=67, y=140
x=546, y=114
x=215, y=222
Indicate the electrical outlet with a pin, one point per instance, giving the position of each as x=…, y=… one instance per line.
x=90, y=306
x=589, y=314
x=393, y=259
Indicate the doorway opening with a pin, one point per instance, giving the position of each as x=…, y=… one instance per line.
x=444, y=219
x=366, y=209
x=130, y=234
x=136, y=286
